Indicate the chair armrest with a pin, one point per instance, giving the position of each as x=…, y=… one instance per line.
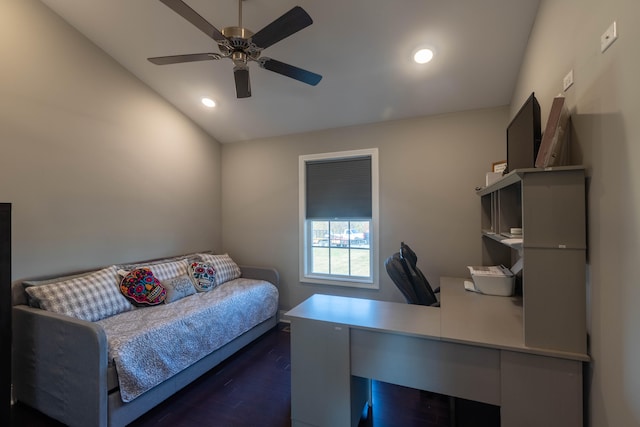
x=268, y=274
x=60, y=366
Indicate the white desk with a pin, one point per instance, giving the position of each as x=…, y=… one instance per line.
x=471, y=347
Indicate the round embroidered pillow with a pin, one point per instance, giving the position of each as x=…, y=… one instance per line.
x=142, y=288
x=203, y=276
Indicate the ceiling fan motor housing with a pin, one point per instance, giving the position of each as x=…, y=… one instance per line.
x=239, y=47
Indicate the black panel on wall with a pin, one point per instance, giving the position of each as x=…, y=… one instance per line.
x=5, y=312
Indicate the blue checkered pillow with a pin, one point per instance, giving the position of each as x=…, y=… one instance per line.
x=160, y=261
x=162, y=270
x=226, y=268
x=91, y=297
x=169, y=270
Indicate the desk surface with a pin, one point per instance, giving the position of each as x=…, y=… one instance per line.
x=470, y=317
x=370, y=314
x=464, y=317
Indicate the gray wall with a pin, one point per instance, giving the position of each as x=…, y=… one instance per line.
x=98, y=167
x=605, y=106
x=429, y=168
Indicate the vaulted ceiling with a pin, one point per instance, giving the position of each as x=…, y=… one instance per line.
x=362, y=48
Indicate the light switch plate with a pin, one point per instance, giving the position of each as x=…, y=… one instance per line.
x=567, y=81
x=608, y=37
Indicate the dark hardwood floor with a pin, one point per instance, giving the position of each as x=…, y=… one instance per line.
x=253, y=388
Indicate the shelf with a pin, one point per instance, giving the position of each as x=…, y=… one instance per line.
x=550, y=207
x=512, y=242
x=517, y=174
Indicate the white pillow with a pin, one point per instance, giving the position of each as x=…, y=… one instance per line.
x=178, y=288
x=203, y=276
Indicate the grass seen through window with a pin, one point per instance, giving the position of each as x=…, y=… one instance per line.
x=348, y=262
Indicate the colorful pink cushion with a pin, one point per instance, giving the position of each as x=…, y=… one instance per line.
x=142, y=288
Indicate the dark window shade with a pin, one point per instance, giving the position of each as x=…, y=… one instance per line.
x=338, y=188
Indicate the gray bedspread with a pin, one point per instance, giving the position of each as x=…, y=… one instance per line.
x=150, y=344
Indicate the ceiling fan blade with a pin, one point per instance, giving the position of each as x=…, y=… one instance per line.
x=290, y=71
x=243, y=85
x=182, y=9
x=291, y=22
x=176, y=59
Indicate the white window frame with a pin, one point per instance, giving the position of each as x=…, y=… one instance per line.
x=304, y=242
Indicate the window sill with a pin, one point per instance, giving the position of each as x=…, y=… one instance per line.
x=347, y=283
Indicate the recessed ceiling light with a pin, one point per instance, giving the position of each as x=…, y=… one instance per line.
x=208, y=102
x=423, y=56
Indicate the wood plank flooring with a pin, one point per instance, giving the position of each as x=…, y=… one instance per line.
x=253, y=388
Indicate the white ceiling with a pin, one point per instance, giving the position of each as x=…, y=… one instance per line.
x=362, y=48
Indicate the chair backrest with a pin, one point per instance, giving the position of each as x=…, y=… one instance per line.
x=403, y=270
x=400, y=276
x=407, y=253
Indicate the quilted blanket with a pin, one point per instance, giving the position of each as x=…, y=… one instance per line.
x=149, y=345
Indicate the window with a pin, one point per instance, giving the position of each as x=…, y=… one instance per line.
x=339, y=218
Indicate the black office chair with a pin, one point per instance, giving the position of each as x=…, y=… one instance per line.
x=406, y=275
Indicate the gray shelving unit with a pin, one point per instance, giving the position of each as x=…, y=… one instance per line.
x=549, y=206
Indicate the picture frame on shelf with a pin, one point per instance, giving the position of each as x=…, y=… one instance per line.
x=499, y=167
x=554, y=147
x=497, y=171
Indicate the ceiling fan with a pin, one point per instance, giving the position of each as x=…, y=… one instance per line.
x=242, y=46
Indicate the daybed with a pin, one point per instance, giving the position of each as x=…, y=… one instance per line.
x=108, y=365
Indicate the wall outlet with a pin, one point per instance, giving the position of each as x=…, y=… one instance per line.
x=608, y=37
x=567, y=81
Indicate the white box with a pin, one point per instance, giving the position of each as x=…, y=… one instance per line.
x=492, y=177
x=494, y=281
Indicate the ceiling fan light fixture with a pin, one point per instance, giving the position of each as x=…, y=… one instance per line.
x=208, y=102
x=422, y=56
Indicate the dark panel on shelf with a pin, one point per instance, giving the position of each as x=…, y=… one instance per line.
x=5, y=311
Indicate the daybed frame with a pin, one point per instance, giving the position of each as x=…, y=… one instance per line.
x=76, y=361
